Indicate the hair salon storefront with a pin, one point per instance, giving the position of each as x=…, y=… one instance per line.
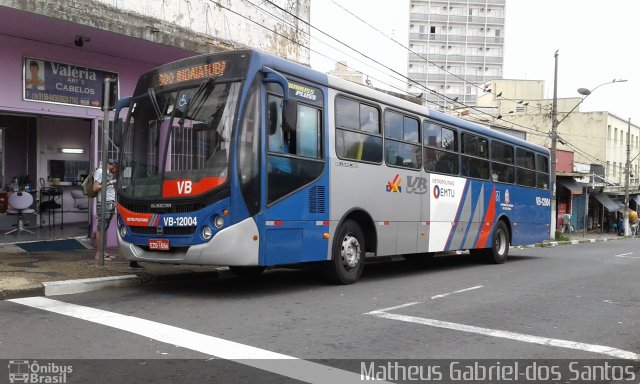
x=51, y=75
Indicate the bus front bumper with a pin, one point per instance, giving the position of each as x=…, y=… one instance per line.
x=238, y=244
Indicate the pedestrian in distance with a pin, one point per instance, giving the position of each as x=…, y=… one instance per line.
x=566, y=223
x=633, y=222
x=110, y=203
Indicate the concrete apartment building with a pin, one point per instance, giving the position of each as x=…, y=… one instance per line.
x=456, y=46
x=121, y=39
x=589, y=143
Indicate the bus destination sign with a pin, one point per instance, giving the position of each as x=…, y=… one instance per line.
x=202, y=71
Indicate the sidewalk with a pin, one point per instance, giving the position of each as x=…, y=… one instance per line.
x=51, y=273
x=47, y=273
x=578, y=237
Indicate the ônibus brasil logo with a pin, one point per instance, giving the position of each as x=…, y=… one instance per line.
x=26, y=371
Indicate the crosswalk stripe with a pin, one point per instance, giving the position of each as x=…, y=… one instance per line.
x=278, y=363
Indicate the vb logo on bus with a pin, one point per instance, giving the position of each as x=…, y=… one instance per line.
x=394, y=186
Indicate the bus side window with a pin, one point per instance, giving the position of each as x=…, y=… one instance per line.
x=357, y=131
x=441, y=149
x=502, y=162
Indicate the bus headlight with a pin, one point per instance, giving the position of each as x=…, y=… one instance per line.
x=218, y=222
x=207, y=232
x=123, y=231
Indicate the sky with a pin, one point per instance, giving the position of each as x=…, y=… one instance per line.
x=596, y=43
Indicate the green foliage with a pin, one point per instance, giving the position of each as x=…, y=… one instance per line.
x=560, y=236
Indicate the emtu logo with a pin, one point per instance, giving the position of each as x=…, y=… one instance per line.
x=394, y=186
x=443, y=192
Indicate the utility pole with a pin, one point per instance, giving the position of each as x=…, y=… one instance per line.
x=627, y=172
x=106, y=101
x=554, y=140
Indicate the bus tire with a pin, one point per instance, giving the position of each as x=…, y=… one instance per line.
x=499, y=250
x=250, y=272
x=348, y=254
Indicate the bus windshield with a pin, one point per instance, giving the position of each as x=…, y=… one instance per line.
x=178, y=134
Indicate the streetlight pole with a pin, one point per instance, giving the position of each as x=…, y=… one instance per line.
x=554, y=143
x=627, y=171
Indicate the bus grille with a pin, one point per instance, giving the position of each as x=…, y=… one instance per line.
x=175, y=208
x=166, y=230
x=317, y=199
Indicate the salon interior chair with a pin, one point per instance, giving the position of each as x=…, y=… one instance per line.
x=19, y=203
x=80, y=201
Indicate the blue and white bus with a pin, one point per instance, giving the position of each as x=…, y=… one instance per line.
x=247, y=160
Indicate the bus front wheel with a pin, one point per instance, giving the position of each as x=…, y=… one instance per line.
x=348, y=254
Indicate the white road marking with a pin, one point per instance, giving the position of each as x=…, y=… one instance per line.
x=421, y=302
x=244, y=354
x=458, y=291
x=392, y=308
x=626, y=256
x=602, y=349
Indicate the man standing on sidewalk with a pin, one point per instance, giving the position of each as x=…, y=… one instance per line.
x=110, y=209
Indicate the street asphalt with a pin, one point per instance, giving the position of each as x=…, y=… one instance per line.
x=48, y=273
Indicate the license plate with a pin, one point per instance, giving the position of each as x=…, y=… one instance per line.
x=158, y=245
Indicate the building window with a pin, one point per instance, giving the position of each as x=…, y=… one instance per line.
x=615, y=136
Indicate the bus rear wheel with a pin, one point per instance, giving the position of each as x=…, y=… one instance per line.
x=499, y=250
x=348, y=254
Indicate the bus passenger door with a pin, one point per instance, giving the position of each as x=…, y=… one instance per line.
x=296, y=210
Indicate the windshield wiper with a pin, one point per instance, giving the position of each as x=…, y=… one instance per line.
x=154, y=102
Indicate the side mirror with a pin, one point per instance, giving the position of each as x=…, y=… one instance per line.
x=290, y=116
x=117, y=132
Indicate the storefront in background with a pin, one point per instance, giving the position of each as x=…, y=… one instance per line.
x=50, y=116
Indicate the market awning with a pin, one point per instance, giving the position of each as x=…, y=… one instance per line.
x=605, y=200
x=636, y=198
x=572, y=185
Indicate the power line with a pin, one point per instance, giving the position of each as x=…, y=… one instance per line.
x=375, y=61
x=432, y=91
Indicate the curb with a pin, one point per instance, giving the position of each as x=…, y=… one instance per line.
x=17, y=293
x=548, y=244
x=68, y=287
